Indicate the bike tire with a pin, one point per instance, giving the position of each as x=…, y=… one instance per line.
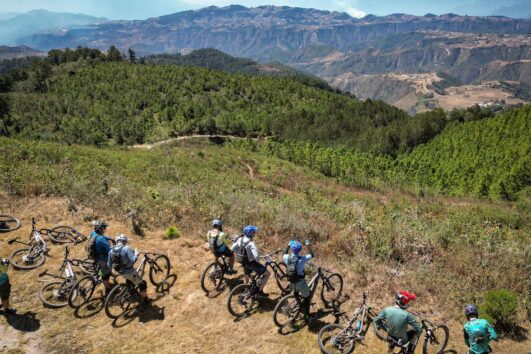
x=163, y=265
x=65, y=234
x=380, y=333
x=214, y=273
x=240, y=294
x=83, y=290
x=88, y=266
x=289, y=307
x=121, y=297
x=441, y=343
x=17, y=265
x=329, y=295
x=282, y=279
x=9, y=223
x=321, y=339
x=52, y=287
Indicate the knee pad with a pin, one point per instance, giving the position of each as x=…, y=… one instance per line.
x=142, y=286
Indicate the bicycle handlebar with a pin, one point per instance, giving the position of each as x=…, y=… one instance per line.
x=272, y=253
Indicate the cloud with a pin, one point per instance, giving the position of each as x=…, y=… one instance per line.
x=349, y=9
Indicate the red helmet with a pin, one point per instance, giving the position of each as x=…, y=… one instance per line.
x=402, y=298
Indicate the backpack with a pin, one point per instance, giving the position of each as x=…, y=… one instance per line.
x=291, y=271
x=90, y=248
x=241, y=252
x=116, y=259
x=213, y=242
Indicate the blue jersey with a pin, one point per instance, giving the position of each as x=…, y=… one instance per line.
x=101, y=245
x=299, y=266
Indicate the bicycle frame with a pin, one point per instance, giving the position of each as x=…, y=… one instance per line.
x=35, y=239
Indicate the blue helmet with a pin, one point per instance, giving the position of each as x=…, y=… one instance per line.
x=295, y=246
x=249, y=230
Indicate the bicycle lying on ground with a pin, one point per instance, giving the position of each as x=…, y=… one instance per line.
x=9, y=223
x=55, y=294
x=289, y=309
x=242, y=298
x=338, y=338
x=64, y=234
x=32, y=256
x=121, y=297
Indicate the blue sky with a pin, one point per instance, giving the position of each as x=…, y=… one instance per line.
x=141, y=9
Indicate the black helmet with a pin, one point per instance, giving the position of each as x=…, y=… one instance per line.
x=471, y=310
x=99, y=225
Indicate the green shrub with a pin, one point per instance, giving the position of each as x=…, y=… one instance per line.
x=172, y=233
x=499, y=308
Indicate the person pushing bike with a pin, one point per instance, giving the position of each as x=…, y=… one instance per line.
x=397, y=322
x=477, y=332
x=99, y=247
x=122, y=259
x=295, y=271
x=219, y=244
x=248, y=255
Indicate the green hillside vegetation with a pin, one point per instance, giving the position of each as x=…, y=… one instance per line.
x=441, y=247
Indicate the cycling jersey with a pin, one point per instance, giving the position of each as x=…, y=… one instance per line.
x=397, y=321
x=102, y=246
x=222, y=242
x=478, y=333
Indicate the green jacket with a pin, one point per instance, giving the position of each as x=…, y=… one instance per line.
x=397, y=322
x=478, y=333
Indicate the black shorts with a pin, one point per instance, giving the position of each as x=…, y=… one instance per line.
x=226, y=252
x=5, y=291
x=254, y=266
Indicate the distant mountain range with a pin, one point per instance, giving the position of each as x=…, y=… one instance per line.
x=15, y=26
x=18, y=52
x=508, y=8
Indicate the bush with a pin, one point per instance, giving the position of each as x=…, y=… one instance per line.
x=499, y=308
x=172, y=233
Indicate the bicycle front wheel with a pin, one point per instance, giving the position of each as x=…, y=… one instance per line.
x=333, y=338
x=26, y=258
x=436, y=340
x=159, y=270
x=65, y=234
x=282, y=279
x=54, y=294
x=241, y=300
x=332, y=287
x=81, y=292
x=118, y=301
x=9, y=223
x=212, y=277
x=287, y=311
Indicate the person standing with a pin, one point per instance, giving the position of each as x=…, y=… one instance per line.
x=5, y=288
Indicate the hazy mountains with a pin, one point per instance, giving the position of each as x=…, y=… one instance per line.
x=508, y=8
x=15, y=26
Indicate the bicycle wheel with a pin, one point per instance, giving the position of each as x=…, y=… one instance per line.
x=118, y=301
x=380, y=333
x=282, y=279
x=88, y=266
x=159, y=270
x=65, y=234
x=55, y=294
x=212, y=278
x=287, y=311
x=240, y=300
x=332, y=287
x=9, y=223
x=333, y=339
x=81, y=292
x=26, y=258
x=435, y=342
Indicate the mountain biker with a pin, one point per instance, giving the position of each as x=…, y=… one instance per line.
x=478, y=332
x=102, y=247
x=5, y=287
x=397, y=322
x=121, y=259
x=219, y=244
x=245, y=246
x=295, y=264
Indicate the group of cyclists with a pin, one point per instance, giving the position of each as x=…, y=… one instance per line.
x=401, y=325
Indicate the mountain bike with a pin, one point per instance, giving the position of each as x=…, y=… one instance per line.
x=55, y=294
x=289, y=309
x=213, y=276
x=121, y=297
x=31, y=257
x=337, y=338
x=64, y=234
x=242, y=298
x=435, y=337
x=9, y=223
x=84, y=288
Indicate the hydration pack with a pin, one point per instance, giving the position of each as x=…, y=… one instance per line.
x=241, y=252
x=116, y=259
x=90, y=247
x=213, y=241
x=291, y=272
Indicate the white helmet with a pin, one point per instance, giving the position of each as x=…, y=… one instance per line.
x=121, y=238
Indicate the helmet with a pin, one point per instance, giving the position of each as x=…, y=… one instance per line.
x=295, y=246
x=99, y=225
x=249, y=230
x=402, y=298
x=471, y=310
x=121, y=238
x=217, y=222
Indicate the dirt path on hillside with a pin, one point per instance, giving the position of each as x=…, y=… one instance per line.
x=182, y=320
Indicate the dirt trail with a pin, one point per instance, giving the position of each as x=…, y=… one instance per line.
x=183, y=320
